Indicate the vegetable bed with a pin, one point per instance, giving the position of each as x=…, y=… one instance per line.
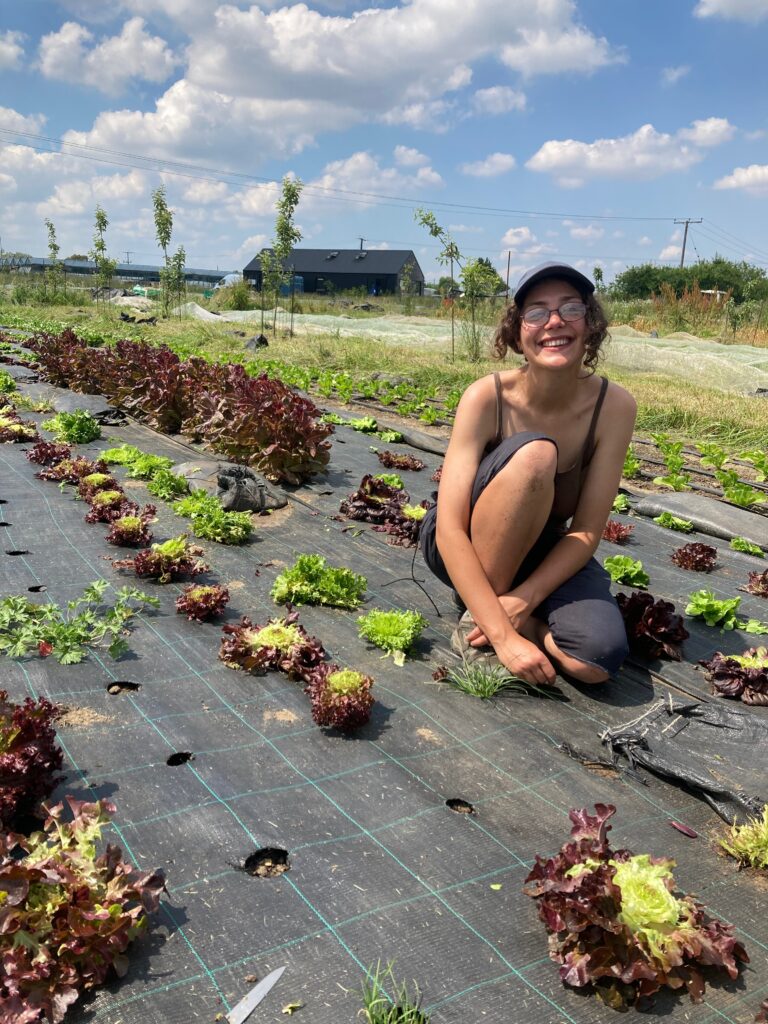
x=207, y=765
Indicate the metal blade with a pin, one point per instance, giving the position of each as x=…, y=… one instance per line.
x=248, y=1003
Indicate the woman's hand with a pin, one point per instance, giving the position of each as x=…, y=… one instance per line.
x=525, y=660
x=518, y=609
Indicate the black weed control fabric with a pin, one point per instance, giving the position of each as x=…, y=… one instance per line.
x=718, y=749
x=380, y=867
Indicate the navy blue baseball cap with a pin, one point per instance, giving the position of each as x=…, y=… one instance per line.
x=563, y=271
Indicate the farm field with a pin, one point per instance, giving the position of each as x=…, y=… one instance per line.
x=213, y=769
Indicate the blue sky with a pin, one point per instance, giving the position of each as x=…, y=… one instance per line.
x=575, y=129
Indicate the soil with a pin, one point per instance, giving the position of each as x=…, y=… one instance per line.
x=428, y=735
x=74, y=717
x=281, y=715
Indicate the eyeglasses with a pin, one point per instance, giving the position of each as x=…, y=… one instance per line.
x=537, y=316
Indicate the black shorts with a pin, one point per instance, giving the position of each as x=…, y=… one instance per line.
x=582, y=614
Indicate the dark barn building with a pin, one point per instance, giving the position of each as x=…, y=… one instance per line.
x=378, y=271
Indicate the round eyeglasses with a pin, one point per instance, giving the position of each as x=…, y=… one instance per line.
x=537, y=316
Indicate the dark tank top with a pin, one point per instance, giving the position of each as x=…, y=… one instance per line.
x=569, y=483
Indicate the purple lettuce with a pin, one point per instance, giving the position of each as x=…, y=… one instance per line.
x=279, y=645
x=696, y=557
x=654, y=629
x=29, y=755
x=740, y=675
x=341, y=698
x=616, y=924
x=77, y=913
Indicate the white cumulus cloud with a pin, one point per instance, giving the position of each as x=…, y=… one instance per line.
x=491, y=167
x=549, y=50
x=498, y=99
x=671, y=252
x=584, y=232
x=407, y=156
x=738, y=10
x=645, y=154
x=269, y=81
x=11, y=50
x=671, y=76
x=713, y=131
x=72, y=55
x=752, y=179
x=13, y=121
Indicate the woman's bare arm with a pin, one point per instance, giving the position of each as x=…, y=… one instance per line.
x=474, y=426
x=578, y=545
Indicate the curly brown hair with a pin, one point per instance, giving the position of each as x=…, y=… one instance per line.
x=507, y=334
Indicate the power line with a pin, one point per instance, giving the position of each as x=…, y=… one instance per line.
x=744, y=246
x=201, y=173
x=727, y=245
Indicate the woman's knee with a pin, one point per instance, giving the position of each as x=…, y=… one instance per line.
x=536, y=461
x=593, y=658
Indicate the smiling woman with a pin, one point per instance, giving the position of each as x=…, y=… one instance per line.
x=531, y=471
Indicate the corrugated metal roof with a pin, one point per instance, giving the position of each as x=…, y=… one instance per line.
x=346, y=261
x=122, y=268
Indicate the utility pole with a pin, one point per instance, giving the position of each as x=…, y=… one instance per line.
x=686, y=221
x=128, y=255
x=361, y=243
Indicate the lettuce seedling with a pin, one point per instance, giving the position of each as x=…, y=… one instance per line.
x=394, y=631
x=365, y=424
x=759, y=460
x=68, y=915
x=623, y=569
x=71, y=471
x=341, y=698
x=167, y=485
x=49, y=453
x=200, y=603
x=29, y=755
x=616, y=532
x=310, y=581
x=77, y=427
x=281, y=644
x=654, y=629
x=393, y=460
x=417, y=512
x=392, y=479
x=373, y=500
x=92, y=483
x=131, y=528
x=675, y=481
x=620, y=503
x=740, y=675
x=758, y=583
x=14, y=430
x=616, y=924
x=696, y=557
x=106, y=506
x=742, y=544
x=702, y=604
x=145, y=467
x=122, y=456
x=713, y=455
x=210, y=522
x=749, y=843
x=632, y=464
x=670, y=522
x=165, y=562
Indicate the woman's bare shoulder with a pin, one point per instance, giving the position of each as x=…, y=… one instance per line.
x=479, y=393
x=619, y=400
